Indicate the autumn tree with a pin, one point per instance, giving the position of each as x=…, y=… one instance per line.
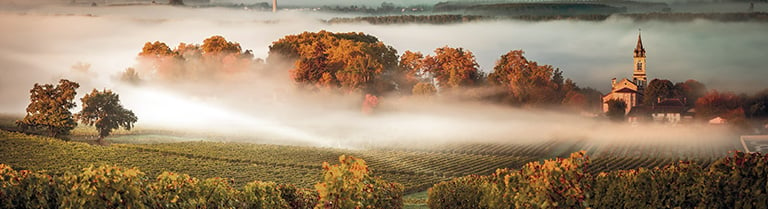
x=351, y=62
x=453, y=67
x=528, y=82
x=657, y=89
x=616, y=110
x=215, y=59
x=691, y=90
x=103, y=110
x=411, y=71
x=49, y=109
x=219, y=45
x=723, y=104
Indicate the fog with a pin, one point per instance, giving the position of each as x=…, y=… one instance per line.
x=92, y=45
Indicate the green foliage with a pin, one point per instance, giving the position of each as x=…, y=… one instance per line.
x=349, y=185
x=49, y=109
x=103, y=110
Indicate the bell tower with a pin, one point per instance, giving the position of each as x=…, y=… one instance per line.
x=638, y=75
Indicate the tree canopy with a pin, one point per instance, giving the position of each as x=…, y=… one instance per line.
x=215, y=58
x=657, y=89
x=347, y=61
x=453, y=67
x=529, y=83
x=49, y=108
x=103, y=110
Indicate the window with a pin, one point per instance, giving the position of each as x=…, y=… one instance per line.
x=639, y=66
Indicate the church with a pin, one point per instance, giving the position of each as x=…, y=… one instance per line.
x=630, y=91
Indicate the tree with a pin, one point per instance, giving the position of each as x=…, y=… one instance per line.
x=103, y=110
x=691, y=90
x=715, y=104
x=49, y=108
x=453, y=67
x=528, y=82
x=657, y=89
x=411, y=69
x=616, y=110
x=216, y=45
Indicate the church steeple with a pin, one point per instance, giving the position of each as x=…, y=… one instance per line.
x=638, y=75
x=639, y=50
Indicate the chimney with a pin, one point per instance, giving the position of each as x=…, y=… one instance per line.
x=274, y=6
x=613, y=83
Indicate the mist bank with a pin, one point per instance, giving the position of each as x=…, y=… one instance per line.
x=41, y=47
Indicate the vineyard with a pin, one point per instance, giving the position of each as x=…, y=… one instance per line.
x=416, y=168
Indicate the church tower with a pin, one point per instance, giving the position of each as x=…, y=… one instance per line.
x=638, y=75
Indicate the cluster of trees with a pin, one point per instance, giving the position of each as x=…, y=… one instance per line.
x=49, y=111
x=356, y=62
x=732, y=107
x=216, y=58
x=736, y=181
x=660, y=89
x=346, y=185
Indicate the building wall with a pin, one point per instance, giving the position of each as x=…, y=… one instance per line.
x=629, y=98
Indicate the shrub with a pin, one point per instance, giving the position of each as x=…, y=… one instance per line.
x=24, y=189
x=737, y=181
x=266, y=195
x=102, y=187
x=173, y=191
x=349, y=185
x=458, y=193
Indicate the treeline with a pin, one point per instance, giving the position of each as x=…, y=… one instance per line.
x=406, y=19
x=216, y=58
x=736, y=181
x=356, y=62
x=459, y=18
x=346, y=185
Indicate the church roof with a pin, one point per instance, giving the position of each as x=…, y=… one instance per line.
x=625, y=90
x=639, y=49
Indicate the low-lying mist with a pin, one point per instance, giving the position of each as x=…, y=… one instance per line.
x=93, y=46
